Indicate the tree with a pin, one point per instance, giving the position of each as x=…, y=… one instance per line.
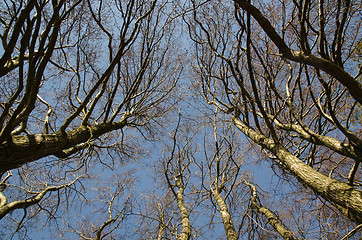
x=246, y=57
x=100, y=98
x=223, y=167
x=83, y=89
x=177, y=165
x=272, y=219
x=269, y=92
x=114, y=196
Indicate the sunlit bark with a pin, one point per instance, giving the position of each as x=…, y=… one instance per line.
x=287, y=79
x=346, y=198
x=272, y=219
x=185, y=221
x=25, y=149
x=225, y=216
x=6, y=207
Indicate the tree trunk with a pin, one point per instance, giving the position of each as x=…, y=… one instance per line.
x=272, y=219
x=343, y=196
x=185, y=221
x=23, y=149
x=225, y=216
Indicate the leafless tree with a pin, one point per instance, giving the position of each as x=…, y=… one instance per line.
x=177, y=174
x=109, y=210
x=284, y=73
x=273, y=220
x=99, y=92
x=81, y=83
x=158, y=217
x=223, y=170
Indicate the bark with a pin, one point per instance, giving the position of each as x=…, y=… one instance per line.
x=6, y=207
x=5, y=60
x=353, y=86
x=160, y=232
x=225, y=216
x=351, y=233
x=22, y=149
x=185, y=221
x=161, y=228
x=12, y=64
x=272, y=219
x=343, y=196
x=334, y=144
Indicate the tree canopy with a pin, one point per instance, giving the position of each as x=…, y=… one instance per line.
x=188, y=119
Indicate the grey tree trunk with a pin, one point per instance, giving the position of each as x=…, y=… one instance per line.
x=225, y=216
x=23, y=149
x=343, y=196
x=272, y=219
x=185, y=221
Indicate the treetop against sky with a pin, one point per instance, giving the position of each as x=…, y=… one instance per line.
x=163, y=119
